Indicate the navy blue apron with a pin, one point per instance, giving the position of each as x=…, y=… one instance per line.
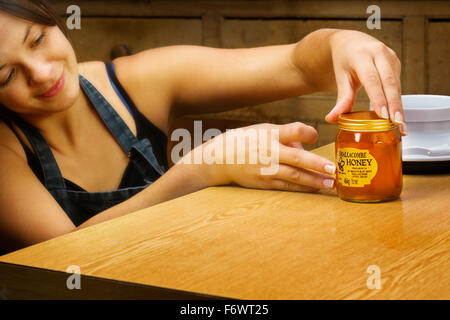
x=82, y=205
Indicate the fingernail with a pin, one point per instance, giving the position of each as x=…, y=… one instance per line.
x=329, y=114
x=328, y=183
x=398, y=117
x=405, y=129
x=331, y=169
x=384, y=113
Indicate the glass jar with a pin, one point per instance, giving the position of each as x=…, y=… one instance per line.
x=368, y=154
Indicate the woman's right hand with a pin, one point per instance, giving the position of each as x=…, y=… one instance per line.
x=281, y=162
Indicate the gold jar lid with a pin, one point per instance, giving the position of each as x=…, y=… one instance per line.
x=365, y=121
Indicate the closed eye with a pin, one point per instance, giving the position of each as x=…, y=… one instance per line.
x=13, y=71
x=38, y=40
x=11, y=74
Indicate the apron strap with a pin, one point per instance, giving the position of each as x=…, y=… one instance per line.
x=52, y=175
x=112, y=120
x=118, y=128
x=144, y=148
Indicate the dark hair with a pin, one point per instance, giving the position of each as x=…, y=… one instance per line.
x=38, y=11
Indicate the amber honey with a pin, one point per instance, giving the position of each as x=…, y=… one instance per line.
x=368, y=158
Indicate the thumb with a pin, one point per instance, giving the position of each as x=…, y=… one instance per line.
x=345, y=99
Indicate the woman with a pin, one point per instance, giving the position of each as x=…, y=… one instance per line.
x=82, y=143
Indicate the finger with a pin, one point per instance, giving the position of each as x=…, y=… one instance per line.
x=304, y=177
x=305, y=159
x=297, y=145
x=390, y=79
x=345, y=99
x=297, y=132
x=290, y=186
x=370, y=79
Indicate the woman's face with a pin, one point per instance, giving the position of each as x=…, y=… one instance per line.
x=38, y=67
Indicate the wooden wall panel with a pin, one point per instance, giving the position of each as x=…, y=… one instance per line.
x=438, y=57
x=98, y=36
x=241, y=32
x=341, y=9
x=413, y=58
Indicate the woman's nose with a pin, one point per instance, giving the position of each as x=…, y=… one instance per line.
x=39, y=73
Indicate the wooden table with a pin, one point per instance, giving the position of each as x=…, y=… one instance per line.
x=253, y=244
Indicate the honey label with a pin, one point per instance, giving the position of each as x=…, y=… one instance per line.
x=356, y=167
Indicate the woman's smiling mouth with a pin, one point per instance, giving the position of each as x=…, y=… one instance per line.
x=57, y=87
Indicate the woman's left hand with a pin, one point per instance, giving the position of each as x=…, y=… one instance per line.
x=361, y=60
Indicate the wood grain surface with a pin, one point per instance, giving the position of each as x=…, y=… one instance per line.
x=262, y=244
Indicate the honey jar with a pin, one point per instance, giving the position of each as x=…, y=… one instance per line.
x=368, y=154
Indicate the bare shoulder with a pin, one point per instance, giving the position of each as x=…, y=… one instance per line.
x=149, y=65
x=157, y=66
x=148, y=77
x=23, y=223
x=10, y=141
x=90, y=69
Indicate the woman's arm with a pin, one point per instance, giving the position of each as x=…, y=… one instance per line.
x=202, y=80
x=346, y=60
x=179, y=180
x=29, y=214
